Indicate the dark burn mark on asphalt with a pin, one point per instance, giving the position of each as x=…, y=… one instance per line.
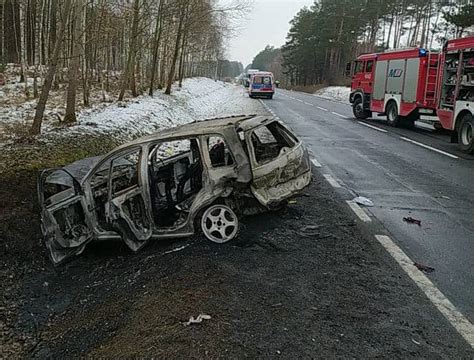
x=340, y=294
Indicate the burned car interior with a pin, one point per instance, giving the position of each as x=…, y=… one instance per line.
x=174, y=179
x=156, y=186
x=269, y=140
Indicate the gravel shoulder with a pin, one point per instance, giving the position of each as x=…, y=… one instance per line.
x=298, y=283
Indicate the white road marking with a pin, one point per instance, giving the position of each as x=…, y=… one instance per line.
x=332, y=181
x=299, y=100
x=372, y=127
x=316, y=163
x=321, y=108
x=463, y=326
x=361, y=214
x=307, y=103
x=267, y=107
x=429, y=147
x=340, y=115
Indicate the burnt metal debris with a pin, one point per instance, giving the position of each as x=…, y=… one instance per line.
x=200, y=176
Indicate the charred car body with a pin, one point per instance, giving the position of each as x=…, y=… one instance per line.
x=200, y=176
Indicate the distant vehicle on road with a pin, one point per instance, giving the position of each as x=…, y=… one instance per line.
x=247, y=76
x=406, y=84
x=262, y=84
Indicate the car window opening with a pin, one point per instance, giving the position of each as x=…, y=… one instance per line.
x=268, y=142
x=262, y=80
x=175, y=174
x=219, y=152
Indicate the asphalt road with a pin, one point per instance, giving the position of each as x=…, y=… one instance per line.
x=429, y=180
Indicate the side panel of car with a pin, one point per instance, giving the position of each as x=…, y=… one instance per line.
x=280, y=164
x=115, y=192
x=65, y=226
x=127, y=208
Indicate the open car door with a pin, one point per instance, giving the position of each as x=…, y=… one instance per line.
x=126, y=209
x=66, y=228
x=280, y=164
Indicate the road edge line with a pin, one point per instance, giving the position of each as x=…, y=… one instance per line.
x=429, y=147
x=340, y=115
x=316, y=163
x=372, y=127
x=361, y=214
x=333, y=182
x=462, y=325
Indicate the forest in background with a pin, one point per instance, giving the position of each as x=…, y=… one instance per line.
x=120, y=47
x=325, y=37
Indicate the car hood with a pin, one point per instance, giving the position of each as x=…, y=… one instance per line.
x=78, y=170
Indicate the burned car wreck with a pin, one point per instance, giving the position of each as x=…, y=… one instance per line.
x=197, y=177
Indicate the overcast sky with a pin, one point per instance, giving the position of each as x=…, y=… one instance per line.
x=267, y=24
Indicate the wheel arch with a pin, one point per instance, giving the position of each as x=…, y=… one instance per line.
x=390, y=101
x=457, y=121
x=357, y=93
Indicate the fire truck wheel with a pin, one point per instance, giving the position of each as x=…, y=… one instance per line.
x=466, y=134
x=358, y=109
x=392, y=114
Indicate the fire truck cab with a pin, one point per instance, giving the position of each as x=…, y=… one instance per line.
x=456, y=90
x=401, y=84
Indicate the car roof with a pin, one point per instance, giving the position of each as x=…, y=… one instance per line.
x=203, y=127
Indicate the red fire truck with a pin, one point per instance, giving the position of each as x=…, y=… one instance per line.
x=405, y=84
x=401, y=84
x=456, y=91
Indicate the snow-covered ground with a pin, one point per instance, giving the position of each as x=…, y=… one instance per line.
x=200, y=98
x=336, y=93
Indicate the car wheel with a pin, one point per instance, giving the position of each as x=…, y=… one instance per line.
x=392, y=114
x=358, y=109
x=466, y=134
x=219, y=223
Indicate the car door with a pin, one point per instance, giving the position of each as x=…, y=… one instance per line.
x=280, y=163
x=65, y=225
x=127, y=209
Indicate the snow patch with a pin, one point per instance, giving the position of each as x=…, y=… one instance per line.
x=198, y=99
x=336, y=93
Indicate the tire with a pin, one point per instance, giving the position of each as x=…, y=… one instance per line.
x=219, y=223
x=270, y=96
x=358, y=109
x=466, y=134
x=392, y=114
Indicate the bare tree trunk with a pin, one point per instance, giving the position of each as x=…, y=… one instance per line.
x=154, y=64
x=35, y=82
x=176, y=48
x=390, y=30
x=23, y=47
x=53, y=63
x=130, y=67
x=2, y=32
x=163, y=62
x=85, y=70
x=181, y=61
x=70, y=116
x=435, y=26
